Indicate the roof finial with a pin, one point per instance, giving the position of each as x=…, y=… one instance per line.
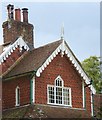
x=62, y=31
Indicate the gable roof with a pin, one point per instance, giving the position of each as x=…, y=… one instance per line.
x=64, y=49
x=19, y=42
x=39, y=55
x=42, y=56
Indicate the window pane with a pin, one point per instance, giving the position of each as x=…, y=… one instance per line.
x=66, y=99
x=59, y=82
x=51, y=94
x=18, y=95
x=58, y=95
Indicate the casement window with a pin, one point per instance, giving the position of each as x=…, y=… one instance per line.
x=17, y=96
x=58, y=94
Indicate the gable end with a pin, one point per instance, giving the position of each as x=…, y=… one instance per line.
x=19, y=42
x=64, y=49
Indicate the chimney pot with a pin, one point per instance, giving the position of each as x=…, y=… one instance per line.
x=25, y=15
x=12, y=7
x=8, y=6
x=25, y=9
x=18, y=14
x=10, y=11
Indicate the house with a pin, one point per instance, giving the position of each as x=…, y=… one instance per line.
x=49, y=77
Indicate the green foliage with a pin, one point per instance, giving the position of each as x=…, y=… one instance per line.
x=91, y=66
x=100, y=112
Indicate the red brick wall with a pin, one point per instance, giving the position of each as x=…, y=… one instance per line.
x=17, y=29
x=8, y=92
x=63, y=67
x=88, y=99
x=11, y=59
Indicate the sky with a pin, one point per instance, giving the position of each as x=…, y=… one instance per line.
x=81, y=24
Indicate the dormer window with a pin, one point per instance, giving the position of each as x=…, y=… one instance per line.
x=58, y=94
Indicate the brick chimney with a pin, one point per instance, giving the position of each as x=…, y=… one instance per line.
x=13, y=28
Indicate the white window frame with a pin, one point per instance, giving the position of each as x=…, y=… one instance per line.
x=16, y=96
x=48, y=94
x=33, y=89
x=83, y=92
x=68, y=88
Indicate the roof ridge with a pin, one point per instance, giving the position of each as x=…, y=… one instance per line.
x=48, y=44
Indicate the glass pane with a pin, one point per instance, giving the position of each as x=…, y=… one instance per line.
x=66, y=96
x=58, y=95
x=18, y=96
x=51, y=94
x=59, y=82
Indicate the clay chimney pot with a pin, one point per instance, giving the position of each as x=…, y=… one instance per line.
x=25, y=15
x=18, y=14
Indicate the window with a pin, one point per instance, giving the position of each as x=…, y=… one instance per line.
x=58, y=94
x=17, y=96
x=59, y=82
x=51, y=94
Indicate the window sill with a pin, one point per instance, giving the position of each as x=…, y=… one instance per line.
x=60, y=105
x=17, y=105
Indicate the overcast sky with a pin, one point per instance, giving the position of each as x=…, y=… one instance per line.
x=81, y=24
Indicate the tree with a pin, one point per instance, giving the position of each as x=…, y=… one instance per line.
x=92, y=67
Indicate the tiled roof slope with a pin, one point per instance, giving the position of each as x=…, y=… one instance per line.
x=45, y=111
x=34, y=59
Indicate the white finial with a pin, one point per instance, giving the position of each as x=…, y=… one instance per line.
x=62, y=38
x=62, y=31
